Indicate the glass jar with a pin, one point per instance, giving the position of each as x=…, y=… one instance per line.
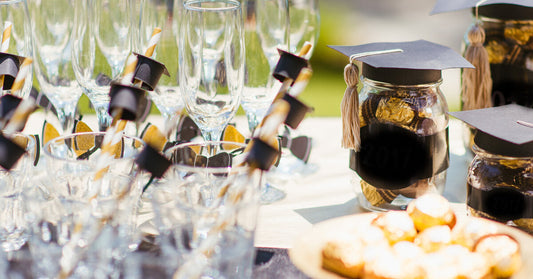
x=404, y=138
x=499, y=187
x=509, y=43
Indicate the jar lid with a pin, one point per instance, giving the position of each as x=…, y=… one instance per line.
x=404, y=63
x=514, y=8
x=505, y=130
x=506, y=12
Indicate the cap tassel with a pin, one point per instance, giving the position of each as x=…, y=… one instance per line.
x=477, y=83
x=350, y=109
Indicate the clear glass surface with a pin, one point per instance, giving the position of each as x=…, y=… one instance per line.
x=21, y=44
x=167, y=16
x=100, y=230
x=202, y=208
x=102, y=41
x=211, y=62
x=266, y=30
x=304, y=24
x=53, y=22
x=14, y=231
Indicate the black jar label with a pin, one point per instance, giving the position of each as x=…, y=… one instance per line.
x=391, y=157
x=502, y=203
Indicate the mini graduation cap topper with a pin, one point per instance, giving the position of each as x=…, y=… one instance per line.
x=289, y=66
x=504, y=130
x=10, y=152
x=149, y=71
x=9, y=68
x=400, y=63
x=152, y=161
x=127, y=98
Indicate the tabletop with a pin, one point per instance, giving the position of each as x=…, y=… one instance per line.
x=329, y=191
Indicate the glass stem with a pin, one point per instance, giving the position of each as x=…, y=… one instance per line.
x=253, y=120
x=66, y=117
x=104, y=119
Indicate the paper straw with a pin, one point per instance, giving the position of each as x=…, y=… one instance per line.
x=305, y=49
x=301, y=82
x=156, y=36
x=129, y=70
x=6, y=36
x=22, y=74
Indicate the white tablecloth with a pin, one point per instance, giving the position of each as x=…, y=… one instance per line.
x=326, y=193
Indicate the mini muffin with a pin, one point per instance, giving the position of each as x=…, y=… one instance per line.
x=467, y=233
x=434, y=238
x=503, y=252
x=344, y=256
x=396, y=225
x=431, y=210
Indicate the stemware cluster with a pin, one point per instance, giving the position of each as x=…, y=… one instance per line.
x=93, y=198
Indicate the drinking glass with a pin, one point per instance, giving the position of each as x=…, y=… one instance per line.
x=207, y=202
x=16, y=12
x=304, y=24
x=102, y=41
x=53, y=22
x=14, y=231
x=211, y=62
x=266, y=30
x=104, y=197
x=166, y=15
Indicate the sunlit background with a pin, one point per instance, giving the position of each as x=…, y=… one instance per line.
x=352, y=22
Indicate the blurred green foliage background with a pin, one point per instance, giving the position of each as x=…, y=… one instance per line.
x=351, y=22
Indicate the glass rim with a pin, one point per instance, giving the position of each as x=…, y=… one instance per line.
x=46, y=147
x=189, y=168
x=192, y=5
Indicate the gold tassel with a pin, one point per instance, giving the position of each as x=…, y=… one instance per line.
x=477, y=83
x=350, y=109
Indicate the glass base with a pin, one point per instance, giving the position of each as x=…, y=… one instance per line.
x=271, y=194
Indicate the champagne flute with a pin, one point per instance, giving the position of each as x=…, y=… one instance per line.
x=20, y=42
x=304, y=24
x=102, y=40
x=166, y=15
x=266, y=30
x=211, y=60
x=53, y=22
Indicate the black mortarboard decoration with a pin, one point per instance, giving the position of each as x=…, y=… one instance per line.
x=262, y=155
x=504, y=130
x=297, y=111
x=188, y=157
x=10, y=152
x=42, y=101
x=128, y=99
x=8, y=105
x=187, y=129
x=399, y=63
x=289, y=66
x=149, y=71
x=9, y=68
x=152, y=161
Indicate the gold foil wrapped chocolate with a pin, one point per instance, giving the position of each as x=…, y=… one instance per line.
x=497, y=51
x=376, y=196
x=519, y=34
x=395, y=110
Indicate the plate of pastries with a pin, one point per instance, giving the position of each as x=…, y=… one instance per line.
x=427, y=240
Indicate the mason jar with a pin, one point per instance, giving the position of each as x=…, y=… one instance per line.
x=509, y=43
x=499, y=186
x=404, y=137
